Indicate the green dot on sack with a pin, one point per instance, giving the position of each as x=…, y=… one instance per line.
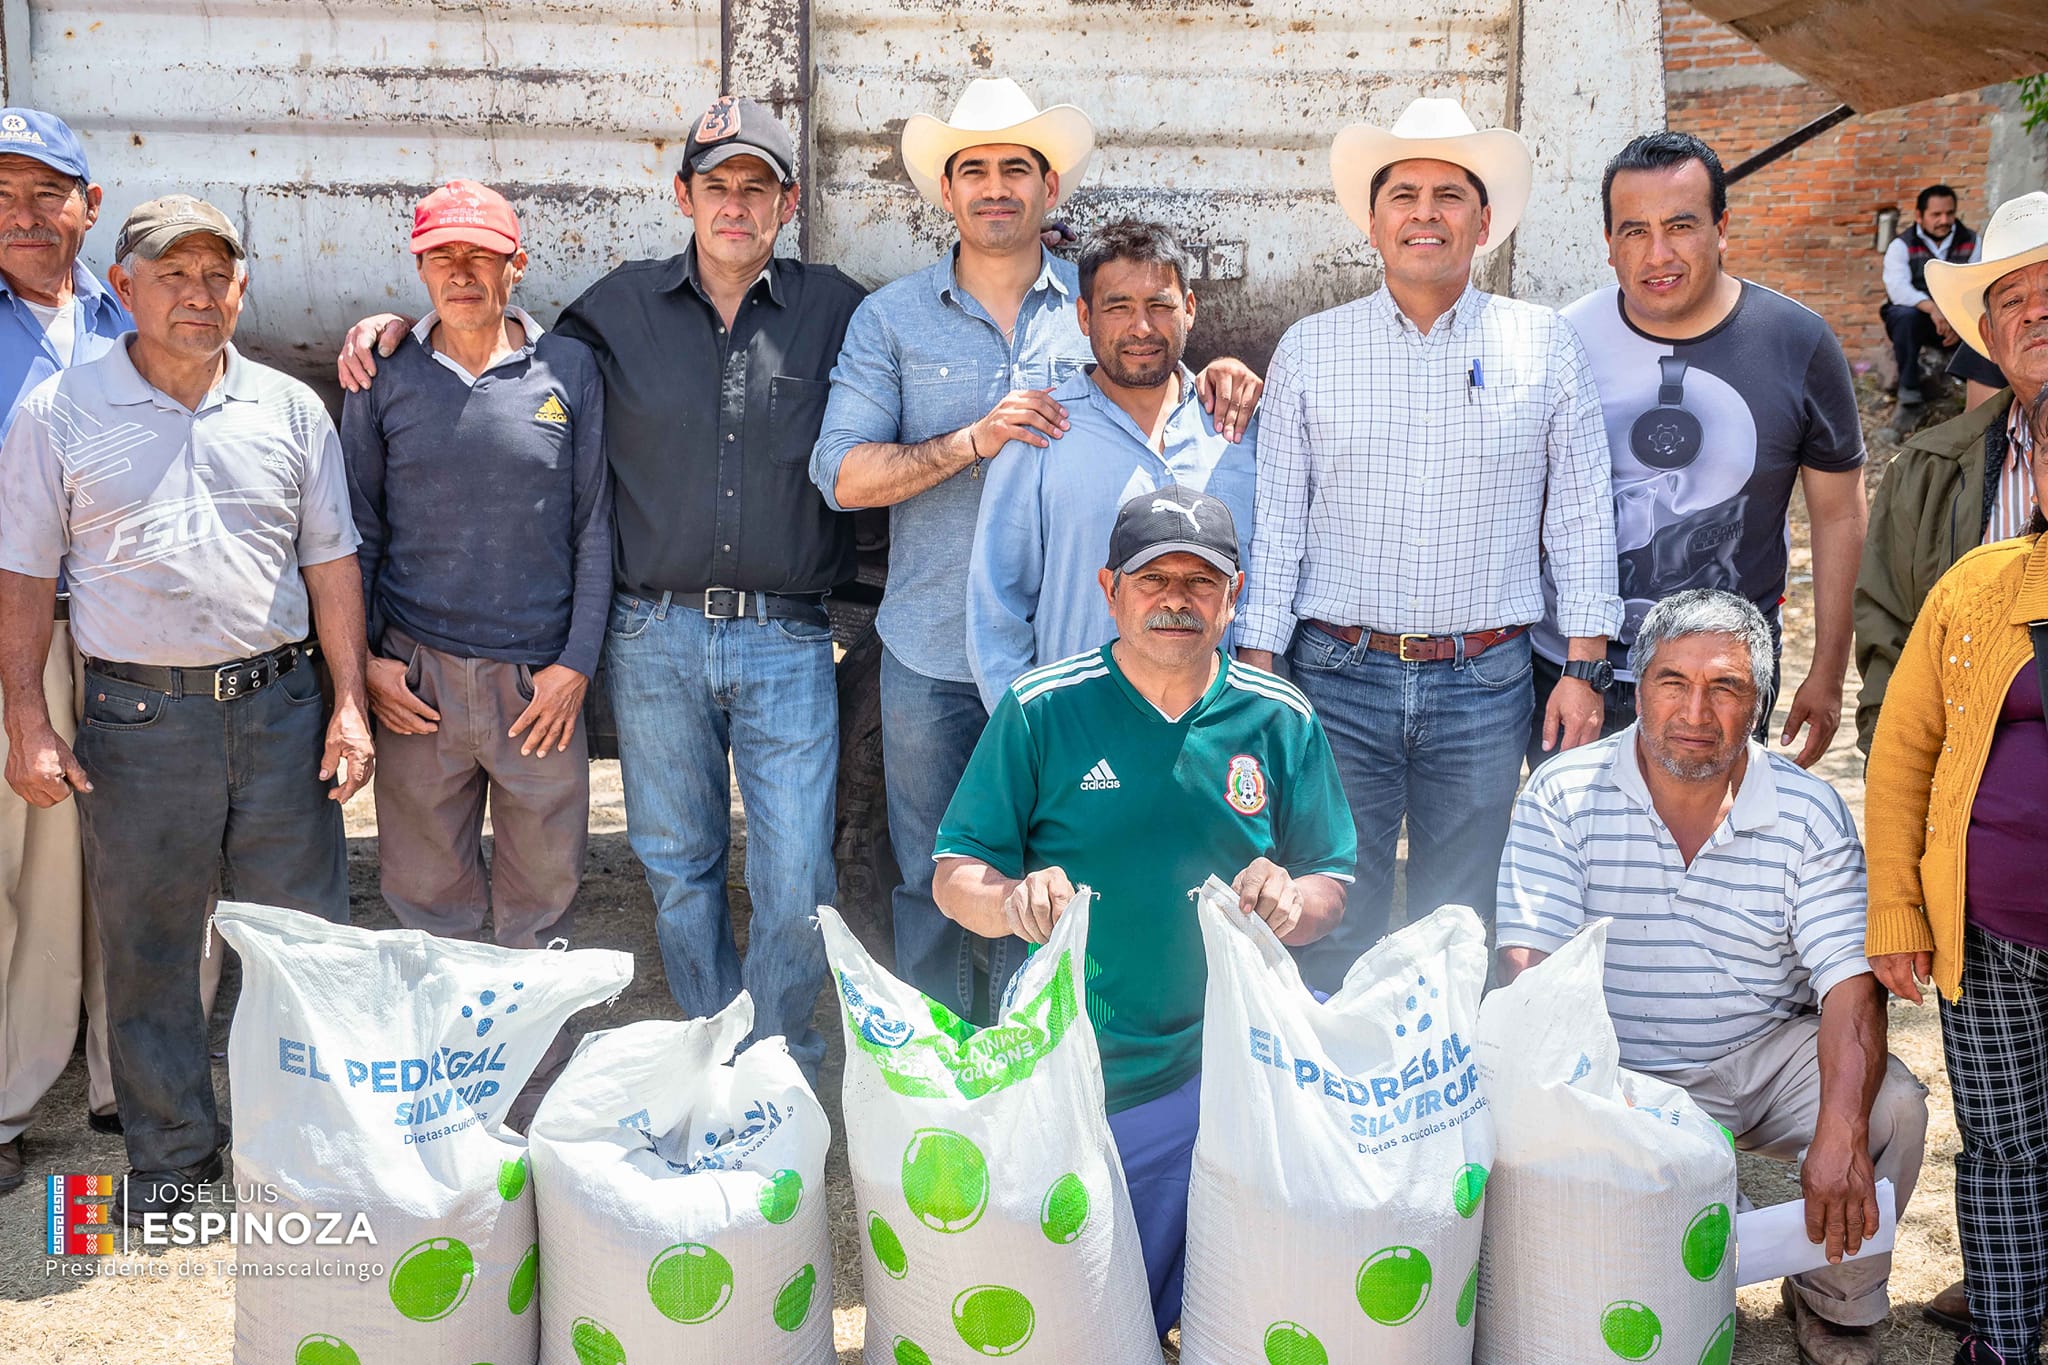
x=511, y=1178
x=1706, y=1242
x=793, y=1300
x=1065, y=1210
x=430, y=1281
x=909, y=1352
x=1468, y=1297
x=689, y=1283
x=321, y=1349
x=780, y=1196
x=1289, y=1343
x=525, y=1280
x=1721, y=1350
x=1468, y=1188
x=945, y=1180
x=1631, y=1330
x=887, y=1245
x=993, y=1320
x=1393, y=1284
x=594, y=1343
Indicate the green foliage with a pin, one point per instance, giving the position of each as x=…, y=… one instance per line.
x=2034, y=99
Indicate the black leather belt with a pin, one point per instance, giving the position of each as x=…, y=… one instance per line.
x=63, y=612
x=733, y=604
x=223, y=682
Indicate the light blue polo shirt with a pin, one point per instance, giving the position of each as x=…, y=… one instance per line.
x=1032, y=594
x=26, y=356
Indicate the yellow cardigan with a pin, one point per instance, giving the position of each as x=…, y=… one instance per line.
x=1933, y=737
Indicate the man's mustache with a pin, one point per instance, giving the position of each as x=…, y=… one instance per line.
x=42, y=235
x=1173, y=620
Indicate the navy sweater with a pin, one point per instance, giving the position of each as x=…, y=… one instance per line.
x=485, y=511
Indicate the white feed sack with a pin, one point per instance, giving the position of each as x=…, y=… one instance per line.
x=1610, y=1211
x=1336, y=1202
x=682, y=1201
x=370, y=1071
x=994, y=1218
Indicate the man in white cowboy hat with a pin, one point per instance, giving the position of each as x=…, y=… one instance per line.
x=1419, y=450
x=938, y=373
x=1720, y=395
x=1969, y=481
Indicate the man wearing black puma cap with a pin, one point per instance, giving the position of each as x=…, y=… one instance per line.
x=715, y=365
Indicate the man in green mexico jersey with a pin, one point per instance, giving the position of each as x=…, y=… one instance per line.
x=1139, y=770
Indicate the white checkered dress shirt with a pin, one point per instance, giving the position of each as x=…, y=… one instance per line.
x=1395, y=494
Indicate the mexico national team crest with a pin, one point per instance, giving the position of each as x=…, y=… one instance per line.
x=1245, y=786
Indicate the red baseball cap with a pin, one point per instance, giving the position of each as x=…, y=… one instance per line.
x=464, y=211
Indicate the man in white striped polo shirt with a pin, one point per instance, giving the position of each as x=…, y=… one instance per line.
x=1735, y=963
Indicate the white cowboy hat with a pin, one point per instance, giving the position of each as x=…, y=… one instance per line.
x=2016, y=237
x=1438, y=130
x=993, y=110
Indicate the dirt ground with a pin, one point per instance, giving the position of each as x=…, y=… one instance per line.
x=115, y=1319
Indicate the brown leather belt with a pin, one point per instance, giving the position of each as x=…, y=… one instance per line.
x=1420, y=649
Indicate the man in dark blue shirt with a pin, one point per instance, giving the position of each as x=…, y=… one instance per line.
x=477, y=475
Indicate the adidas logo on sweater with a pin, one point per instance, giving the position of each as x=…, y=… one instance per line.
x=1100, y=778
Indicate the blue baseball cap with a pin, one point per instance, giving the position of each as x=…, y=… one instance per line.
x=47, y=138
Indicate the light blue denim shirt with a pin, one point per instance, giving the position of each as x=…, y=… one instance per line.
x=1032, y=594
x=922, y=358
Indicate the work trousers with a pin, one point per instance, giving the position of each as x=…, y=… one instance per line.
x=187, y=789
x=1768, y=1094
x=49, y=958
x=1910, y=329
x=432, y=791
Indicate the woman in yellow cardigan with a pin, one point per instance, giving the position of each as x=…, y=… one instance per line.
x=1957, y=824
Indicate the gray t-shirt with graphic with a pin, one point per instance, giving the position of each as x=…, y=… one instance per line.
x=1708, y=437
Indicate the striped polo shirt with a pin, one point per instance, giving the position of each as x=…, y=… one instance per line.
x=1701, y=960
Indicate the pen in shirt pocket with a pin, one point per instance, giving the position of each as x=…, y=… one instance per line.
x=1475, y=380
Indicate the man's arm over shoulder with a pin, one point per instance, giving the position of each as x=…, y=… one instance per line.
x=1280, y=501
x=1004, y=576
x=364, y=455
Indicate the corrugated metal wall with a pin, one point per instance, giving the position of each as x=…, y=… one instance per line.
x=318, y=125
x=1213, y=117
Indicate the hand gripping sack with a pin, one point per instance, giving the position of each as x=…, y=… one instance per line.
x=682, y=1200
x=1611, y=1209
x=1334, y=1209
x=370, y=1071
x=993, y=1213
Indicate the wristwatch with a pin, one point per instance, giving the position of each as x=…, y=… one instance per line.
x=1597, y=674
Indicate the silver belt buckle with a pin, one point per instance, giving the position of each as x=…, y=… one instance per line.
x=737, y=600
x=227, y=680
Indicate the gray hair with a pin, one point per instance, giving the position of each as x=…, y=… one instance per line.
x=1707, y=611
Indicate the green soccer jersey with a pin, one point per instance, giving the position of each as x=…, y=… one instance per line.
x=1078, y=771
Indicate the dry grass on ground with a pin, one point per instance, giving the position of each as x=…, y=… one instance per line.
x=121, y=1320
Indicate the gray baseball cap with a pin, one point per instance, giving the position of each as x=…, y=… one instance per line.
x=151, y=228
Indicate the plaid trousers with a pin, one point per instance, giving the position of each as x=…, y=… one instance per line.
x=1996, y=1042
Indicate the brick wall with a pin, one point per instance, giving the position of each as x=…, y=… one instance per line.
x=1806, y=225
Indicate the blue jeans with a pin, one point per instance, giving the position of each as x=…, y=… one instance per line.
x=1156, y=1143
x=1439, y=744
x=183, y=789
x=929, y=729
x=687, y=692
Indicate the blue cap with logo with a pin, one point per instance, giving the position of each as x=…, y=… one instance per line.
x=47, y=138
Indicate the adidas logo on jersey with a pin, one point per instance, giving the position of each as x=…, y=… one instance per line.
x=1100, y=778
x=552, y=411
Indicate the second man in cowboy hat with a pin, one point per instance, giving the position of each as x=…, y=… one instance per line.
x=941, y=370
x=1420, y=451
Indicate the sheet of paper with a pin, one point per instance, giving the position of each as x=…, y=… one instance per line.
x=1771, y=1243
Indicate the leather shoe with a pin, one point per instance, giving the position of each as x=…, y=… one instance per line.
x=1821, y=1342
x=1950, y=1309
x=13, y=1165
x=110, y=1124
x=147, y=1192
